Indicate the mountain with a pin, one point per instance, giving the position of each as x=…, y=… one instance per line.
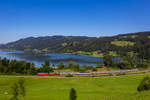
x=1, y=45
x=49, y=42
x=131, y=42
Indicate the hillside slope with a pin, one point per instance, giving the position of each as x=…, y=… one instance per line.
x=135, y=42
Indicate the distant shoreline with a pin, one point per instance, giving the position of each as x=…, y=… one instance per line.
x=74, y=53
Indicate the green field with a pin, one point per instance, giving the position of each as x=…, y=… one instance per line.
x=122, y=43
x=102, y=88
x=93, y=54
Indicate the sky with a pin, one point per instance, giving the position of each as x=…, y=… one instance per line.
x=94, y=18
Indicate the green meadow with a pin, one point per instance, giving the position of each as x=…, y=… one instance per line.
x=122, y=43
x=92, y=88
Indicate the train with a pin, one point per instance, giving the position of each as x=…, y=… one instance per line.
x=48, y=74
x=86, y=73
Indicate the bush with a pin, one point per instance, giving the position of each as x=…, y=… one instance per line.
x=94, y=69
x=123, y=65
x=144, y=85
x=111, y=74
x=73, y=94
x=143, y=64
x=120, y=74
x=18, y=90
x=69, y=75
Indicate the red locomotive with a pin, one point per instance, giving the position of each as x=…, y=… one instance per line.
x=48, y=74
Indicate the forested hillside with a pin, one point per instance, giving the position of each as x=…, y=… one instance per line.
x=120, y=44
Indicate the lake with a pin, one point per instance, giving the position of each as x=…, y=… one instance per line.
x=54, y=58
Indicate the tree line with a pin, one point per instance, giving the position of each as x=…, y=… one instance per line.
x=129, y=61
x=16, y=67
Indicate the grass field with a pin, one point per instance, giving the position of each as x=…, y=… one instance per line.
x=102, y=88
x=122, y=43
x=93, y=54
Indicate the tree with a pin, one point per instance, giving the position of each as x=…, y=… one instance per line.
x=32, y=68
x=144, y=85
x=5, y=64
x=18, y=90
x=143, y=64
x=22, y=90
x=71, y=64
x=73, y=95
x=108, y=60
x=15, y=90
x=99, y=64
x=123, y=65
x=94, y=69
x=46, y=67
x=53, y=66
x=76, y=68
x=61, y=65
x=131, y=57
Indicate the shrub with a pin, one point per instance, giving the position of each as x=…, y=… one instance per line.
x=73, y=94
x=119, y=74
x=69, y=75
x=111, y=74
x=123, y=65
x=21, y=84
x=94, y=69
x=15, y=90
x=18, y=90
x=144, y=85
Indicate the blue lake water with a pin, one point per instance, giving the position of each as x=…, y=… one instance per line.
x=54, y=58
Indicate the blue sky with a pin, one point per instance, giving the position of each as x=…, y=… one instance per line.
x=24, y=18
